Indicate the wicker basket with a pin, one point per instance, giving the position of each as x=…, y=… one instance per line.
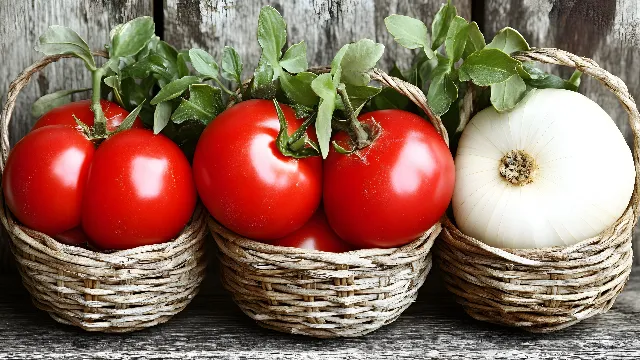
x=323, y=294
x=121, y=291
x=544, y=290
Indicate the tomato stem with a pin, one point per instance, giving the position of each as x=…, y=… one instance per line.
x=358, y=133
x=100, y=122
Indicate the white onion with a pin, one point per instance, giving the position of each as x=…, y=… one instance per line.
x=581, y=181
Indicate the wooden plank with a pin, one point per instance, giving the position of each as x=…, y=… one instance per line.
x=605, y=31
x=324, y=25
x=213, y=327
x=22, y=22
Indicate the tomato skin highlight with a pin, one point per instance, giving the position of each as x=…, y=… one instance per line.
x=243, y=179
x=139, y=191
x=63, y=115
x=45, y=177
x=315, y=234
x=389, y=193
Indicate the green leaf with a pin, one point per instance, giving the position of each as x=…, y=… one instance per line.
x=456, y=39
x=507, y=94
x=475, y=42
x=132, y=37
x=174, y=89
x=409, y=32
x=440, y=25
x=396, y=72
x=323, y=86
x=358, y=96
x=128, y=121
x=488, y=66
x=51, y=101
x=359, y=58
x=182, y=60
x=508, y=40
x=58, y=40
x=298, y=89
x=231, y=65
x=272, y=35
x=442, y=91
x=294, y=59
x=161, y=116
x=263, y=86
x=302, y=111
x=151, y=64
x=114, y=83
x=204, y=104
x=204, y=63
x=166, y=51
x=390, y=99
x=336, y=67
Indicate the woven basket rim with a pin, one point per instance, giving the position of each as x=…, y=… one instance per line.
x=11, y=224
x=619, y=88
x=359, y=254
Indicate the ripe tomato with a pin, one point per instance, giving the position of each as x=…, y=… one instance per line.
x=139, y=191
x=75, y=237
x=316, y=234
x=390, y=192
x=63, y=115
x=44, y=179
x=244, y=180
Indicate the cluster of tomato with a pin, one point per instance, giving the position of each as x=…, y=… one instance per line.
x=136, y=188
x=383, y=195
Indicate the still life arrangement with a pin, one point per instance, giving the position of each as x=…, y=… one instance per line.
x=327, y=192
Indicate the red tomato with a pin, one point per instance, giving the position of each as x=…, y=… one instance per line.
x=44, y=180
x=63, y=115
x=75, y=237
x=244, y=180
x=316, y=234
x=139, y=191
x=390, y=192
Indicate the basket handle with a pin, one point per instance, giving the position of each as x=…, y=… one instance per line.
x=414, y=94
x=14, y=89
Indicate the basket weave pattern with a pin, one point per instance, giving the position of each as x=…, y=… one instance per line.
x=323, y=294
x=544, y=290
x=120, y=291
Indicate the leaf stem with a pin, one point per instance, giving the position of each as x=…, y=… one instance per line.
x=359, y=135
x=222, y=87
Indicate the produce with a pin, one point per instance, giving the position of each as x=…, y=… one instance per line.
x=552, y=172
x=139, y=191
x=393, y=190
x=81, y=110
x=44, y=179
x=87, y=173
x=245, y=181
x=316, y=234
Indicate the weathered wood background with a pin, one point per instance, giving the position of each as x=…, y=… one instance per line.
x=606, y=30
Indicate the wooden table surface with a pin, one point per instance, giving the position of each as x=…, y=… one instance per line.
x=213, y=327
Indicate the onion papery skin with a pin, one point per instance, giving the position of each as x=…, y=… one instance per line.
x=583, y=180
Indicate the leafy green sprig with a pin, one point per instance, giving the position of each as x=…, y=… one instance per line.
x=468, y=58
x=333, y=99
x=148, y=77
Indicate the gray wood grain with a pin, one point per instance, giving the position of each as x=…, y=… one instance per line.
x=605, y=31
x=22, y=22
x=324, y=25
x=213, y=327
